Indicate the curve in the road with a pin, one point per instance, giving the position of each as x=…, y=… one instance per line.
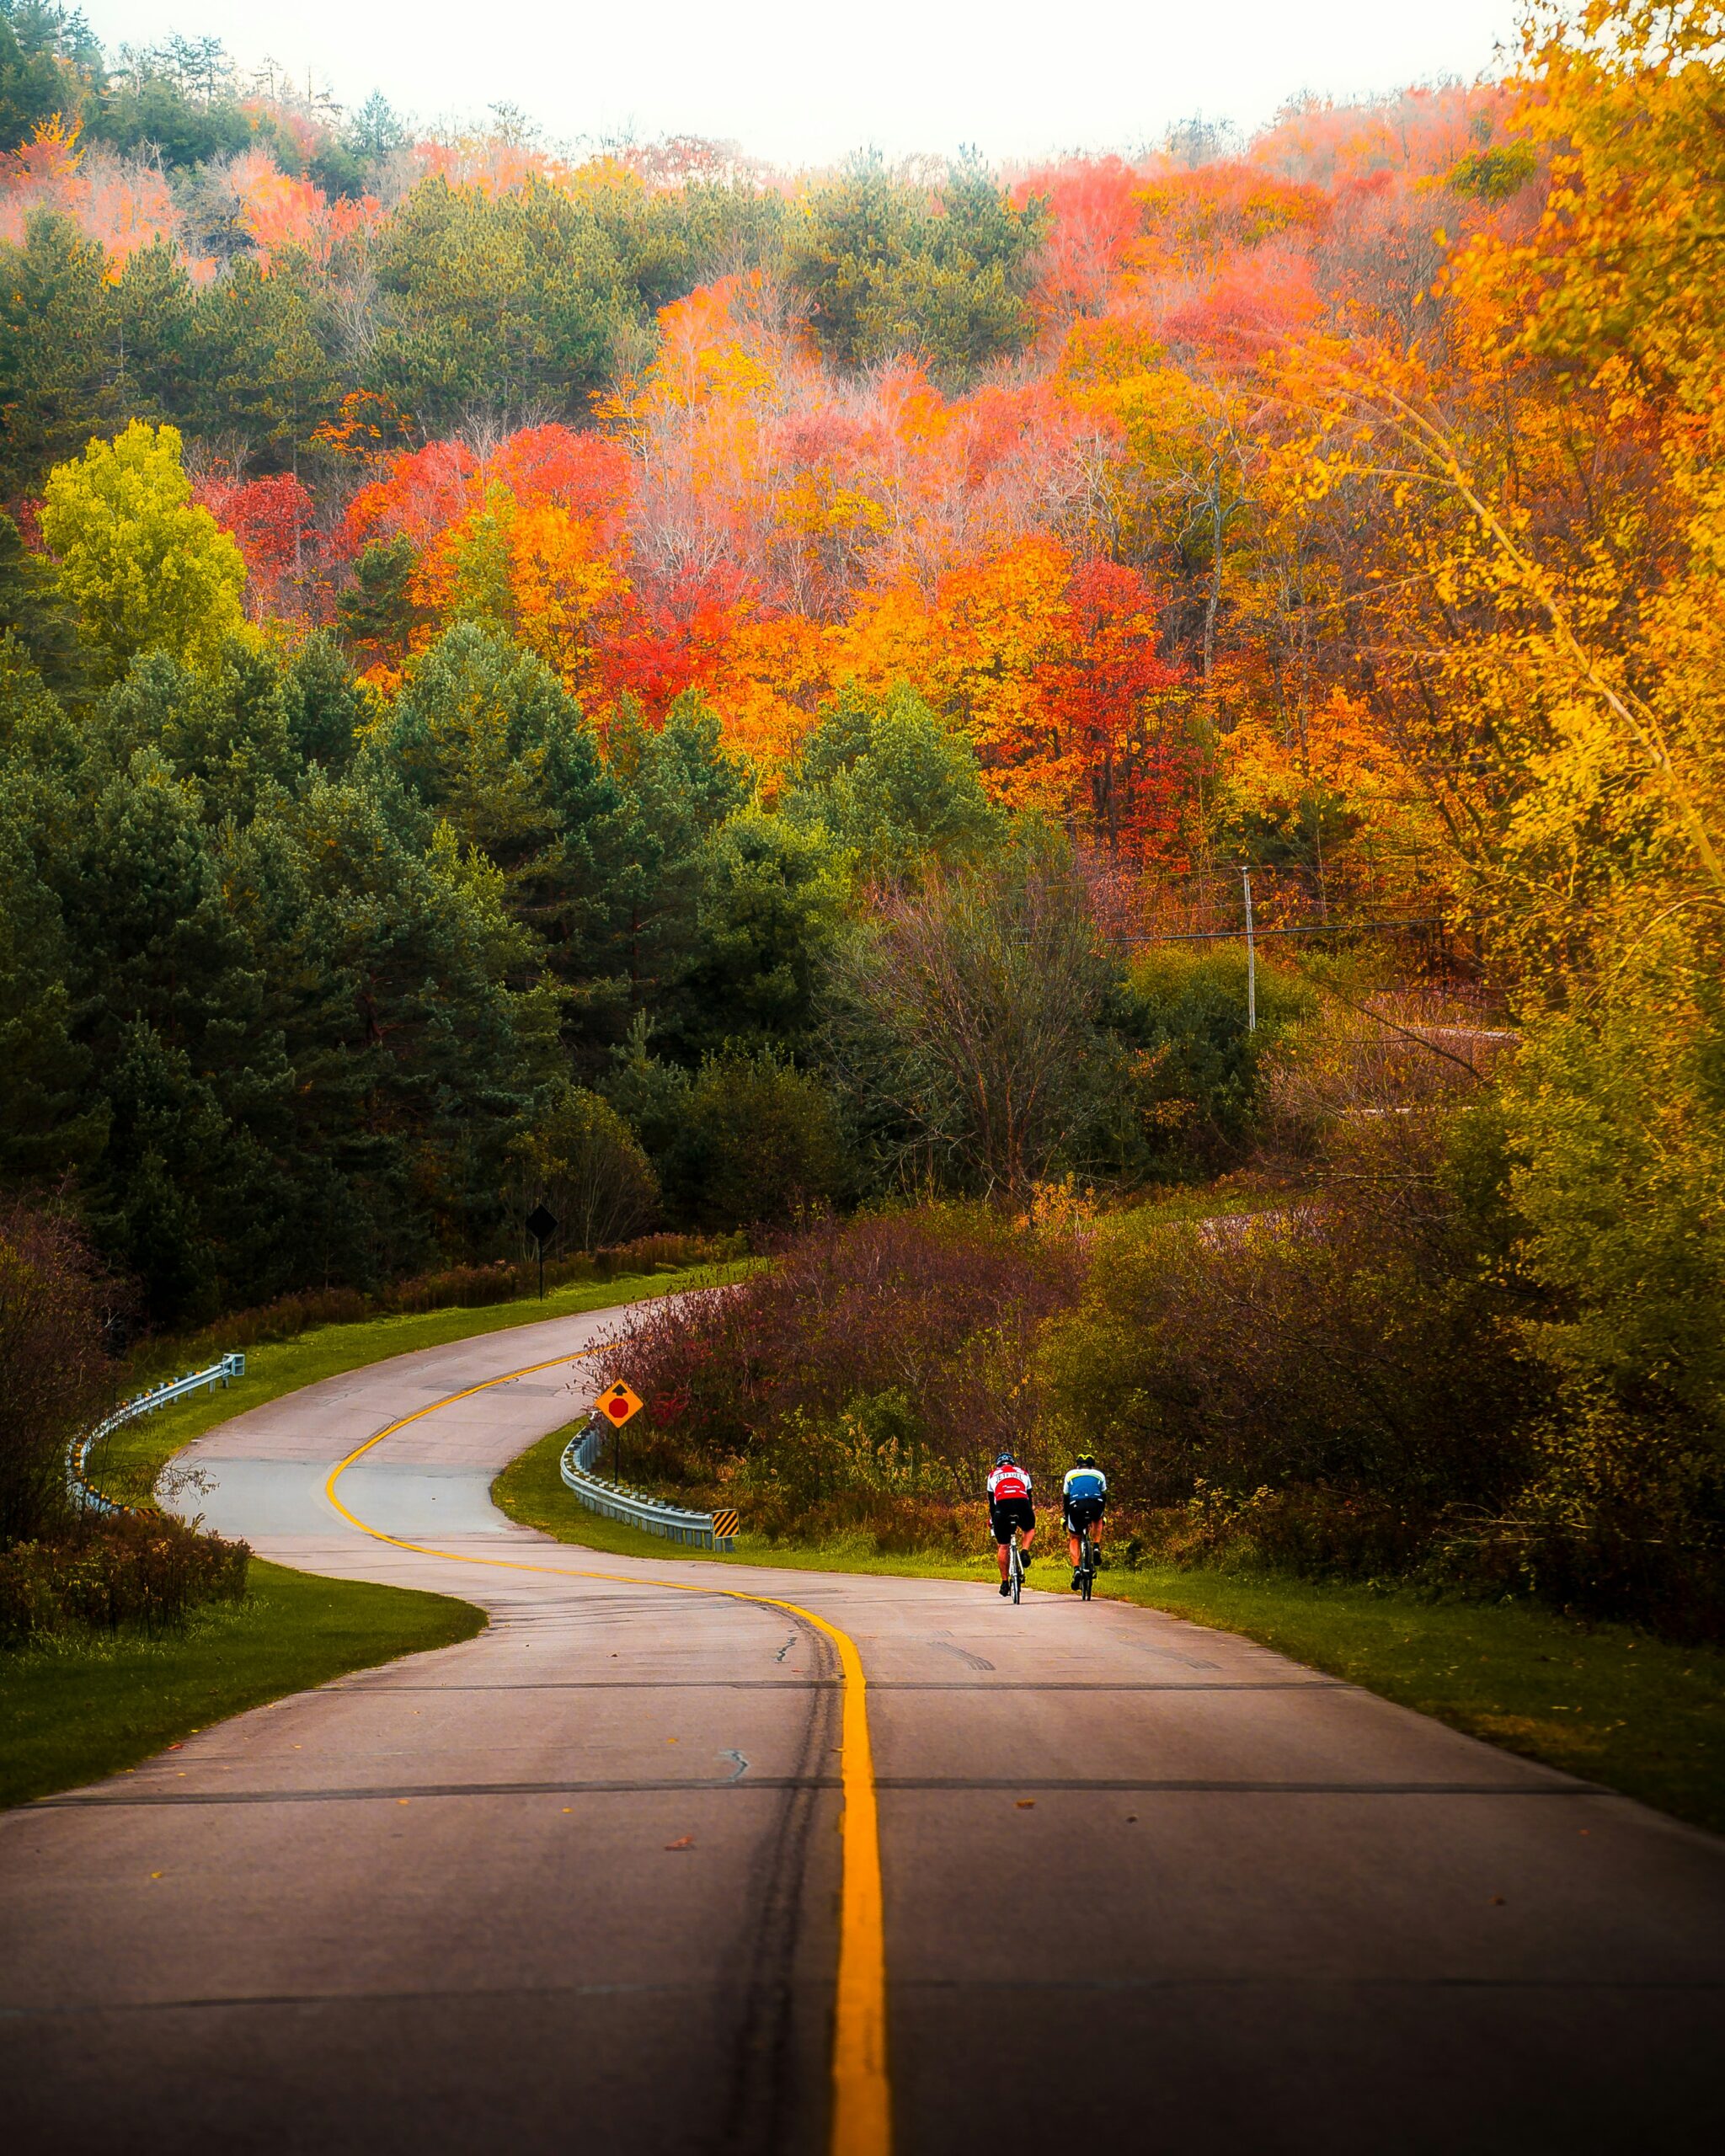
x=861, y=2093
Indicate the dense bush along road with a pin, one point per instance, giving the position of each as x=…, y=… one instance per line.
x=581, y=1877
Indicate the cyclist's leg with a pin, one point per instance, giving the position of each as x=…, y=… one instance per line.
x=1027, y=1535
x=1003, y=1534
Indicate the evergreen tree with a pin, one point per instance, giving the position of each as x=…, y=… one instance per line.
x=224, y=727
x=50, y=64
x=46, y=1125
x=263, y=378
x=35, y=615
x=896, y=787
x=156, y=351
x=56, y=340
x=677, y=786
x=886, y=270
x=497, y=303
x=772, y=906
x=323, y=705
x=486, y=737
x=377, y=614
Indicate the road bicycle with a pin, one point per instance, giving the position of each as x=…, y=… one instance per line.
x=1087, y=1561
x=1015, y=1563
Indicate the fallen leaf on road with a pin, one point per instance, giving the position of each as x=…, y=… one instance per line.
x=683, y=1842
x=1027, y=1804
x=1497, y=1901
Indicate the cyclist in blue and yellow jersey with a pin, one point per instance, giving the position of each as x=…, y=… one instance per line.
x=1009, y=1506
x=1084, y=1498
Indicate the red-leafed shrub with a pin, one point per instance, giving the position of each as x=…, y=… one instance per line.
x=866, y=1381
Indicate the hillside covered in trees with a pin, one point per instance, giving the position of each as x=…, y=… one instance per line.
x=720, y=698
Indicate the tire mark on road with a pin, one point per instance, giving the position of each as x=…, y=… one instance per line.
x=758, y=2117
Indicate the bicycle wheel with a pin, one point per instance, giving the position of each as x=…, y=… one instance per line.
x=1017, y=1570
x=1087, y=1570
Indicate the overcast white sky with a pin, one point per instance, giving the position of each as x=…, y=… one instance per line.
x=802, y=83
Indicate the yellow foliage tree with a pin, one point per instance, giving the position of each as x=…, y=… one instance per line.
x=145, y=567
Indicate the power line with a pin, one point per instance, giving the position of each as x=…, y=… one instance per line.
x=1311, y=928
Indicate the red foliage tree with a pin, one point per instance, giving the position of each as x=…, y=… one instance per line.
x=1109, y=700
x=273, y=522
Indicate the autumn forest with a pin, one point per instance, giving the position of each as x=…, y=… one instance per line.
x=749, y=704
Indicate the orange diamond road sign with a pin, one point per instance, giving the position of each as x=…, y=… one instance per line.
x=616, y=1403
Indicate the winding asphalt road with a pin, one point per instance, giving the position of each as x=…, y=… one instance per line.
x=575, y=1886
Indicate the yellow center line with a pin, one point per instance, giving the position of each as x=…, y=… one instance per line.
x=861, y=2102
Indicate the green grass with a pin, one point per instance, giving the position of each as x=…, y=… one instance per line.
x=125, y=1465
x=71, y=1710
x=1206, y=1201
x=1609, y=1704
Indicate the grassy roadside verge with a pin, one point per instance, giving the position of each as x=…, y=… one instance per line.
x=126, y=1466
x=1605, y=1702
x=73, y=1711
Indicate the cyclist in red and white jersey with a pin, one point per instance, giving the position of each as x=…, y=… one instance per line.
x=1009, y=1506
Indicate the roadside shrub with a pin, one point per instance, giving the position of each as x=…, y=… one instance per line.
x=459, y=1287
x=133, y=1569
x=1623, y=1515
x=1614, y=1132
x=1339, y=1370
x=668, y=1252
x=56, y=1376
x=1314, y=1531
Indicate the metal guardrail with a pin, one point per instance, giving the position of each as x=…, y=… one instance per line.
x=83, y=1493
x=673, y=1522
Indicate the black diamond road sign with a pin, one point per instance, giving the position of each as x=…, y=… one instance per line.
x=541, y=1224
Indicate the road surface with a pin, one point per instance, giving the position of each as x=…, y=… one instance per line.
x=575, y=1885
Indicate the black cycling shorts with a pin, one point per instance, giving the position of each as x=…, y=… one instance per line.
x=1085, y=1512
x=1010, y=1512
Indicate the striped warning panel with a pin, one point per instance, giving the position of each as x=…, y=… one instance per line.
x=726, y=1523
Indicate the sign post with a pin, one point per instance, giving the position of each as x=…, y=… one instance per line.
x=617, y=1404
x=542, y=1226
